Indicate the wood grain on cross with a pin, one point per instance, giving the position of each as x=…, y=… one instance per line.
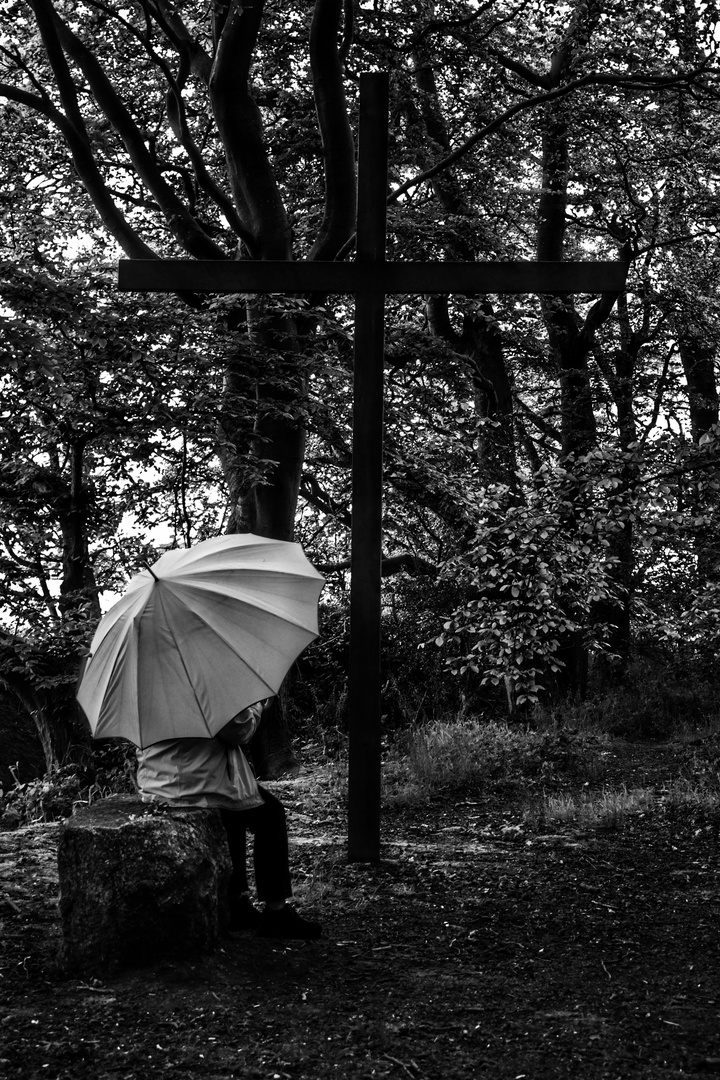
x=369, y=278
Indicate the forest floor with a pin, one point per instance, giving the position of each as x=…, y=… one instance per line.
x=485, y=943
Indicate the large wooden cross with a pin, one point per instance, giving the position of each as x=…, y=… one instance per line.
x=369, y=278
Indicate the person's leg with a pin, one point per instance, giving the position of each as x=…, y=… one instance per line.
x=243, y=916
x=271, y=859
x=272, y=872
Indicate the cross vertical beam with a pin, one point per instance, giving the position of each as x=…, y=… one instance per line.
x=364, y=766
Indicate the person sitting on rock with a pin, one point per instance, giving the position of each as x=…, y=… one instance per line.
x=214, y=772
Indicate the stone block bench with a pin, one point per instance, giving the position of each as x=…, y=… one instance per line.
x=139, y=883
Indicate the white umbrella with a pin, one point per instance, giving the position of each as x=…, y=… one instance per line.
x=205, y=632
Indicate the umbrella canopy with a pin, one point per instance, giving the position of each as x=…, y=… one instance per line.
x=204, y=633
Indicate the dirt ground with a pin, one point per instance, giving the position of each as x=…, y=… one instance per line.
x=484, y=944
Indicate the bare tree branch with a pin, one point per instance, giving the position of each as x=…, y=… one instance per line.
x=634, y=82
x=175, y=104
x=183, y=226
x=79, y=145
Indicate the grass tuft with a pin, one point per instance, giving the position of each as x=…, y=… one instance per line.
x=466, y=754
x=605, y=809
x=608, y=809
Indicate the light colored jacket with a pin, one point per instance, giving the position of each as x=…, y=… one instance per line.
x=203, y=772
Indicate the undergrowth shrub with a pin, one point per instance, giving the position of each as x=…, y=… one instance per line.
x=443, y=757
x=701, y=762
x=316, y=687
x=417, y=686
x=532, y=583
x=105, y=769
x=662, y=697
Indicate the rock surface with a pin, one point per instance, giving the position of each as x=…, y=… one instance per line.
x=139, y=883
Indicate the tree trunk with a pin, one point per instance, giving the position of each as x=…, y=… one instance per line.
x=24, y=668
x=63, y=735
x=695, y=337
x=479, y=338
x=262, y=465
x=78, y=589
x=697, y=353
x=263, y=500
x=569, y=349
x=698, y=360
x=570, y=337
x=621, y=382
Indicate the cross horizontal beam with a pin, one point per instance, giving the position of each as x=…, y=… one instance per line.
x=200, y=275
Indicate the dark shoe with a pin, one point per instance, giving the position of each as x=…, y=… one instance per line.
x=286, y=923
x=243, y=915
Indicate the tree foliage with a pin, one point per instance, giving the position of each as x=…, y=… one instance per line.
x=556, y=457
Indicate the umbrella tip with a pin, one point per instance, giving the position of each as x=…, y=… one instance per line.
x=150, y=571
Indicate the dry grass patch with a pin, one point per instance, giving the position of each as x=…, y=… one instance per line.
x=607, y=809
x=472, y=755
x=604, y=809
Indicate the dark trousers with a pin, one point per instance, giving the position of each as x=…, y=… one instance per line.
x=270, y=849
